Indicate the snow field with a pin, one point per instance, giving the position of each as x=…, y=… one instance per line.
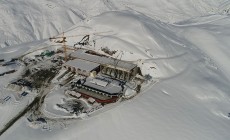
x=186, y=41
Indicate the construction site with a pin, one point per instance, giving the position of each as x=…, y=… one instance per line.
x=87, y=79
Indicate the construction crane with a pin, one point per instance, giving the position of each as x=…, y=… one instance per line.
x=84, y=41
x=63, y=41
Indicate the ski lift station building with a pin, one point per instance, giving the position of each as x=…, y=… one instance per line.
x=88, y=62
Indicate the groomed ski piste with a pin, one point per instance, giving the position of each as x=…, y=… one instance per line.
x=184, y=49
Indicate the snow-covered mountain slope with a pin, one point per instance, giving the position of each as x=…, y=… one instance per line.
x=25, y=21
x=211, y=36
x=190, y=101
x=224, y=8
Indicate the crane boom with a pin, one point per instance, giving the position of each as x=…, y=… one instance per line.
x=63, y=41
x=58, y=37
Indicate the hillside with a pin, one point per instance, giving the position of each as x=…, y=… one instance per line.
x=187, y=42
x=25, y=21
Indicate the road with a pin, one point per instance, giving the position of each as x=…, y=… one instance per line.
x=22, y=113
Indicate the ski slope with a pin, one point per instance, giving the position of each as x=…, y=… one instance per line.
x=187, y=42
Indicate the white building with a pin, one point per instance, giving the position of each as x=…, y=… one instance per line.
x=82, y=67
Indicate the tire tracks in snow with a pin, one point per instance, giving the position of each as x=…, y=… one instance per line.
x=165, y=58
x=109, y=4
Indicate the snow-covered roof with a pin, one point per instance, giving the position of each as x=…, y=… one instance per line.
x=111, y=88
x=74, y=93
x=81, y=54
x=82, y=64
x=99, y=82
x=90, y=99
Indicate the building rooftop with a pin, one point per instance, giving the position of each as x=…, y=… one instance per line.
x=82, y=64
x=119, y=64
x=109, y=87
